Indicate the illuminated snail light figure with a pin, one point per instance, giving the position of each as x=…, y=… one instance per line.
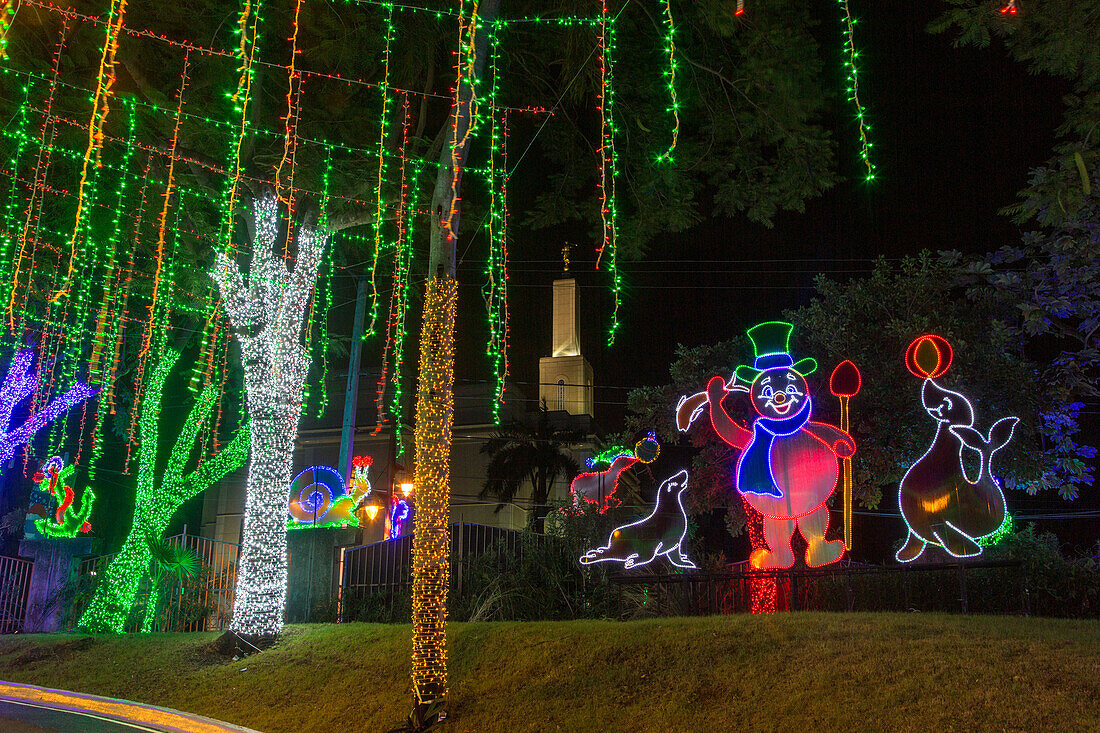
x=318, y=499
x=942, y=503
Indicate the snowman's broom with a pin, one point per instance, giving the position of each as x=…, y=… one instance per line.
x=844, y=383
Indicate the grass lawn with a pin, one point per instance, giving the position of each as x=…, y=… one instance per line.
x=794, y=671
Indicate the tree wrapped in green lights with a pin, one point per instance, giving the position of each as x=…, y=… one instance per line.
x=157, y=501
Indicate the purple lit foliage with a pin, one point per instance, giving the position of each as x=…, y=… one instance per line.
x=18, y=385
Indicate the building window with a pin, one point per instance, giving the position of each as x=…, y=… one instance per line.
x=561, y=394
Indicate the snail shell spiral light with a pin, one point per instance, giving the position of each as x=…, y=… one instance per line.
x=313, y=493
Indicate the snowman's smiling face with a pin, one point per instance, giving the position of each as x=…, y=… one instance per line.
x=779, y=393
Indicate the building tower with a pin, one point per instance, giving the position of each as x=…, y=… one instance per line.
x=565, y=377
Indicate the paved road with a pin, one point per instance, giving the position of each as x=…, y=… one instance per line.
x=30, y=718
x=31, y=709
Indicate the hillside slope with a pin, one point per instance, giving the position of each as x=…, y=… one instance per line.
x=786, y=672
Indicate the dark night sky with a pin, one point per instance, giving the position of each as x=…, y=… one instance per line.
x=955, y=133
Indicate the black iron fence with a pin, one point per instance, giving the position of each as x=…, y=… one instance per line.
x=384, y=569
x=15, y=583
x=203, y=603
x=995, y=587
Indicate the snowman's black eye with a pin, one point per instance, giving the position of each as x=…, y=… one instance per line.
x=766, y=393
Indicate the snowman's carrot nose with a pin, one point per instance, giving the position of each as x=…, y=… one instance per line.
x=780, y=397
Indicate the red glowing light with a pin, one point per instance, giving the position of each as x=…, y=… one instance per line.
x=845, y=380
x=928, y=356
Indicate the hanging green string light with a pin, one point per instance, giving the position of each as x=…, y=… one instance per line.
x=850, y=56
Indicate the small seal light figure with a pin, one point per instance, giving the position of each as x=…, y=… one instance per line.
x=658, y=534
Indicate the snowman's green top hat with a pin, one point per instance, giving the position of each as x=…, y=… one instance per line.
x=771, y=343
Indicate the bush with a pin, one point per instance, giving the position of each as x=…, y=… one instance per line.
x=390, y=607
x=1057, y=585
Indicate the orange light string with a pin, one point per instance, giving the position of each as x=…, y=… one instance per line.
x=151, y=322
x=289, y=124
x=397, y=290
x=464, y=70
x=243, y=52
x=105, y=80
x=503, y=276
x=5, y=26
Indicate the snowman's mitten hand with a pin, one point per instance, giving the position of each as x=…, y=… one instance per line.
x=844, y=448
x=839, y=442
x=716, y=390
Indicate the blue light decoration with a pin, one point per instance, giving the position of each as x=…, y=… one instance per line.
x=659, y=534
x=789, y=465
x=18, y=386
x=941, y=503
x=319, y=499
x=399, y=514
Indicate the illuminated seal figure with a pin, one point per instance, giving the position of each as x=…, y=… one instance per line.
x=941, y=504
x=658, y=534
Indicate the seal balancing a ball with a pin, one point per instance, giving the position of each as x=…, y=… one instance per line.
x=941, y=504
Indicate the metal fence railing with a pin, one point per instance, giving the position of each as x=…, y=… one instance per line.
x=386, y=567
x=204, y=603
x=998, y=587
x=15, y=583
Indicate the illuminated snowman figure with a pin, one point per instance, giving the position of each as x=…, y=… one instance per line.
x=788, y=465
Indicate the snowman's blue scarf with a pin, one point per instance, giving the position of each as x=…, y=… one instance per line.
x=754, y=473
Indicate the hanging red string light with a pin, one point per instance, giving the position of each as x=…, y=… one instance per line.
x=400, y=274
x=41, y=166
x=285, y=191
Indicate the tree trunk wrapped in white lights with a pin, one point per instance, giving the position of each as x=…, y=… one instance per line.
x=266, y=313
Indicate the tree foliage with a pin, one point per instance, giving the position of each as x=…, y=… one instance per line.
x=752, y=98
x=520, y=456
x=1051, y=276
